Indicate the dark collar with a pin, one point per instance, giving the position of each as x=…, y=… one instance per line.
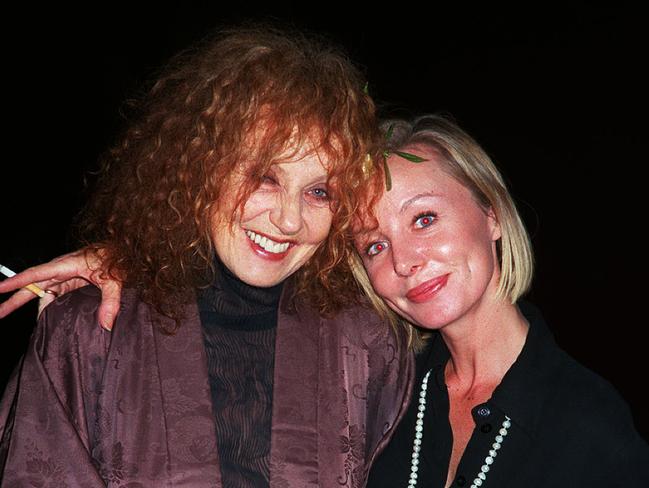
x=231, y=303
x=521, y=393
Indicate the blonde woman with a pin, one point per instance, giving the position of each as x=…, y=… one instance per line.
x=496, y=402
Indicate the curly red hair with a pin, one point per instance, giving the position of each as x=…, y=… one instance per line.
x=150, y=214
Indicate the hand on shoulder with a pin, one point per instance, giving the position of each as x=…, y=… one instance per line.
x=62, y=275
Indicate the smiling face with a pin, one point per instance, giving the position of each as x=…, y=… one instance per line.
x=433, y=256
x=282, y=223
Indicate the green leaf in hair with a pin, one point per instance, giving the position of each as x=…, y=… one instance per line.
x=413, y=158
x=388, y=177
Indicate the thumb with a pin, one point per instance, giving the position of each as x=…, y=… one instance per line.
x=111, y=292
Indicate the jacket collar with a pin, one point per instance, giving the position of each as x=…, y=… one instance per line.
x=522, y=391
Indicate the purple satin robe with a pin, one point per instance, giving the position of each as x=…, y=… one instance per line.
x=131, y=408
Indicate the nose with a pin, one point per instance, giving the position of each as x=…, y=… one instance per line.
x=287, y=214
x=406, y=261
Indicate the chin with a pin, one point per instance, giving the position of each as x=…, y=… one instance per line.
x=260, y=279
x=260, y=276
x=432, y=316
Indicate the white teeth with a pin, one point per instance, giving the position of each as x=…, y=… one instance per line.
x=266, y=243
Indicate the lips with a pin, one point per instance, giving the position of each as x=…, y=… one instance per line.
x=425, y=291
x=266, y=247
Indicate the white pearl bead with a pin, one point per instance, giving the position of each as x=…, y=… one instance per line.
x=419, y=428
x=419, y=432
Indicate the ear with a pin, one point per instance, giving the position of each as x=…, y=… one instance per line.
x=494, y=225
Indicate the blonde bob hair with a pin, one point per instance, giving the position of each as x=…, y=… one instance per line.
x=467, y=162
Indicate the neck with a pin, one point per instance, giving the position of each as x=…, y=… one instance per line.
x=229, y=296
x=483, y=345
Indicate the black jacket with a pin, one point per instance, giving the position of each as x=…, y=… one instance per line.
x=569, y=427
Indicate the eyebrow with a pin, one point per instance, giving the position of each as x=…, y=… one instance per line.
x=417, y=197
x=324, y=179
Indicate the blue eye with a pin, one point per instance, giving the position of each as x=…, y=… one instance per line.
x=376, y=248
x=320, y=193
x=424, y=220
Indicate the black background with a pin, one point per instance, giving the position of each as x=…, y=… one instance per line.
x=555, y=95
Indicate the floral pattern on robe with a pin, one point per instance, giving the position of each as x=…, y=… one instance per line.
x=132, y=408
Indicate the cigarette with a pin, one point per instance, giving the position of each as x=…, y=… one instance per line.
x=31, y=287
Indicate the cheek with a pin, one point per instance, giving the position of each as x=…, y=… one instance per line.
x=257, y=204
x=319, y=225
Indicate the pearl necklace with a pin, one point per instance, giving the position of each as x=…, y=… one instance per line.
x=419, y=434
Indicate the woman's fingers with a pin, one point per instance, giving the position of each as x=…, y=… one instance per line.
x=111, y=291
x=15, y=301
x=59, y=276
x=60, y=269
x=45, y=301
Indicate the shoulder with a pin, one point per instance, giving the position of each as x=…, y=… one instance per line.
x=70, y=322
x=580, y=407
x=601, y=422
x=593, y=395
x=70, y=317
x=592, y=406
x=363, y=326
x=361, y=331
x=572, y=391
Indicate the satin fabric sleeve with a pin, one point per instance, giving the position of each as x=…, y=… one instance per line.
x=46, y=419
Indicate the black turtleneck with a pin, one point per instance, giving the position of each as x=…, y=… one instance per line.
x=239, y=323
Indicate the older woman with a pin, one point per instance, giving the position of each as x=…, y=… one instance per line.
x=224, y=209
x=496, y=402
